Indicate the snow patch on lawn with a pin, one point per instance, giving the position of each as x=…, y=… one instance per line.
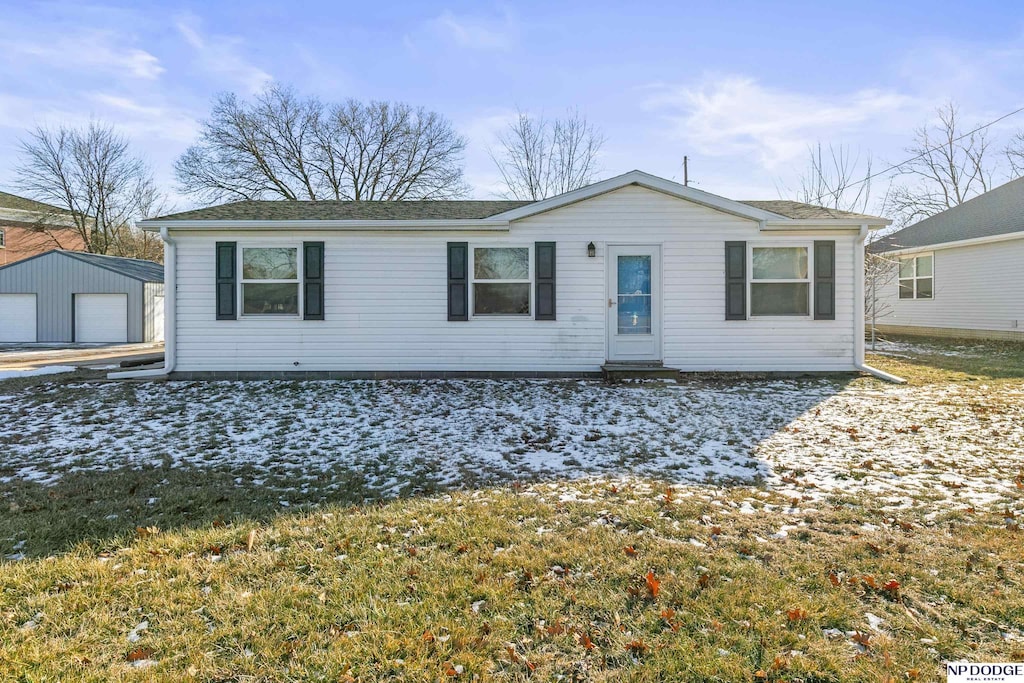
x=939, y=446
x=33, y=372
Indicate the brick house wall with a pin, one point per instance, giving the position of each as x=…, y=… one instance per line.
x=20, y=241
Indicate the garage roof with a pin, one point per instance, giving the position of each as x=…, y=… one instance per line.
x=137, y=269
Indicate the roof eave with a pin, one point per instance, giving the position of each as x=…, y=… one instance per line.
x=826, y=223
x=393, y=225
x=970, y=242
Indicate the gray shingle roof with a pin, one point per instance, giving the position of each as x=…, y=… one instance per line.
x=137, y=269
x=280, y=210
x=13, y=201
x=147, y=271
x=789, y=209
x=997, y=212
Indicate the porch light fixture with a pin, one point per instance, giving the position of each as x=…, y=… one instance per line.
x=591, y=250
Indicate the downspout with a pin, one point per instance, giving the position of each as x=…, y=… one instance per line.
x=170, y=317
x=858, y=312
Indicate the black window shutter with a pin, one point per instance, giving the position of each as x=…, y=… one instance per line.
x=227, y=281
x=735, y=280
x=313, y=280
x=544, y=272
x=458, y=281
x=824, y=280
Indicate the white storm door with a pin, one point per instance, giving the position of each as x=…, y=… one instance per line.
x=101, y=318
x=17, y=317
x=634, y=303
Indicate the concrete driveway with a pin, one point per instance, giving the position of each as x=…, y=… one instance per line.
x=31, y=356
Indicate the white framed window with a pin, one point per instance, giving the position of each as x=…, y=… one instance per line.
x=270, y=282
x=3, y=238
x=917, y=276
x=780, y=280
x=502, y=280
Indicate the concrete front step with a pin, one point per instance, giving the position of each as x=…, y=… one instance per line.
x=616, y=372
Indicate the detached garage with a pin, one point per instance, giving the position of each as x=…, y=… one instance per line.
x=71, y=296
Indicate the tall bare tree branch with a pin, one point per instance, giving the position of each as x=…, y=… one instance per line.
x=946, y=169
x=284, y=146
x=92, y=175
x=836, y=178
x=1015, y=154
x=540, y=158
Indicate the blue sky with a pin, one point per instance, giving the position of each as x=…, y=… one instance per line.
x=742, y=88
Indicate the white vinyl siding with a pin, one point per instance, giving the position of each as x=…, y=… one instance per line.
x=978, y=287
x=386, y=304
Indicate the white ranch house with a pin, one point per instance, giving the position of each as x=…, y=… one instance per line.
x=958, y=273
x=631, y=270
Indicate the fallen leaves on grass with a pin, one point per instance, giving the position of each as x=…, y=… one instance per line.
x=653, y=584
x=796, y=614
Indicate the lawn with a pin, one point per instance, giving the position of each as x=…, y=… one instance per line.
x=719, y=529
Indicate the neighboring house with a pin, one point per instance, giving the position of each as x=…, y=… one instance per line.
x=958, y=273
x=28, y=227
x=71, y=296
x=635, y=269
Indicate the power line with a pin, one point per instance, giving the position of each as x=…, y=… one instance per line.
x=927, y=151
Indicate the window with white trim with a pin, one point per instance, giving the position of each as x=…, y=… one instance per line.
x=270, y=280
x=502, y=282
x=3, y=238
x=780, y=282
x=917, y=276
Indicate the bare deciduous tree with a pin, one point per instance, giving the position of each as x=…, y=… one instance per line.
x=948, y=167
x=283, y=146
x=1015, y=154
x=92, y=174
x=837, y=179
x=541, y=158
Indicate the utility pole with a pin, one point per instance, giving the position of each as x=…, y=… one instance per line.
x=686, y=171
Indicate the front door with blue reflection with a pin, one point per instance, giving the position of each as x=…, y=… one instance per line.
x=634, y=294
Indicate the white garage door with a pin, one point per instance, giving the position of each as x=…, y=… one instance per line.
x=101, y=318
x=158, y=318
x=17, y=317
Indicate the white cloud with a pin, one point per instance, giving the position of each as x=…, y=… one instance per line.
x=88, y=51
x=481, y=133
x=737, y=116
x=220, y=55
x=477, y=33
x=147, y=121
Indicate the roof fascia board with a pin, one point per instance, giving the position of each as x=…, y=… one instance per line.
x=474, y=225
x=643, y=180
x=826, y=223
x=991, y=239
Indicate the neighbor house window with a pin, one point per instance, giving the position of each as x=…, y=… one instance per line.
x=501, y=281
x=917, y=277
x=3, y=239
x=779, y=281
x=270, y=280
